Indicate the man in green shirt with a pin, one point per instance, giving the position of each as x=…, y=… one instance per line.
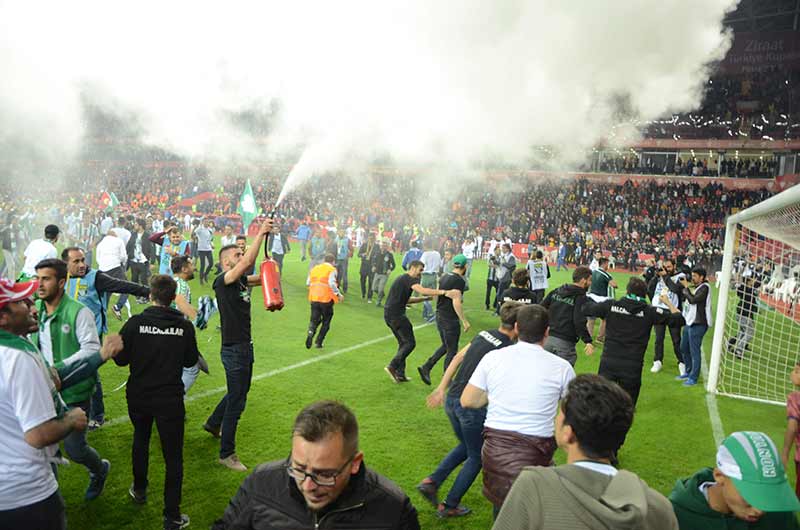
x=601, y=289
x=747, y=490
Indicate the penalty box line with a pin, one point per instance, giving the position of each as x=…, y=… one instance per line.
x=272, y=373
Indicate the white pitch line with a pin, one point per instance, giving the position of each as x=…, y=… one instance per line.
x=222, y=389
x=711, y=403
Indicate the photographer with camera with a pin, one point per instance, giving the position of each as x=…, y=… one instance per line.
x=667, y=282
x=491, y=278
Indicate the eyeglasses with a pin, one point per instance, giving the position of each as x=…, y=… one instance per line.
x=323, y=478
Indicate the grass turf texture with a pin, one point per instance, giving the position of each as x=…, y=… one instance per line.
x=401, y=438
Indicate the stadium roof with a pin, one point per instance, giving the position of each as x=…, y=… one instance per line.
x=765, y=16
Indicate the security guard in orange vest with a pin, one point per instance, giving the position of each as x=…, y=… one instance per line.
x=323, y=292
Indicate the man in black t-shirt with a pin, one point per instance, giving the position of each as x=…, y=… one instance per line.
x=519, y=291
x=233, y=299
x=449, y=318
x=394, y=314
x=468, y=423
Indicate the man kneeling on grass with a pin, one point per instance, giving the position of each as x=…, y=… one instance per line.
x=587, y=492
x=323, y=484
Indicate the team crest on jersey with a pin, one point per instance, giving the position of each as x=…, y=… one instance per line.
x=65, y=329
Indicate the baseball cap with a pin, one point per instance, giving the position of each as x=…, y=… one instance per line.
x=752, y=462
x=460, y=260
x=14, y=292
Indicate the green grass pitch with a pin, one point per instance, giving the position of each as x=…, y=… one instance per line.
x=401, y=438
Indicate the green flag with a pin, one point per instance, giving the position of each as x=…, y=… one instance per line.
x=247, y=206
x=108, y=200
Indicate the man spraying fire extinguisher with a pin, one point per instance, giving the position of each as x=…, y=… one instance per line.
x=233, y=299
x=323, y=293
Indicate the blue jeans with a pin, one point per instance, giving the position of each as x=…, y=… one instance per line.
x=691, y=342
x=237, y=359
x=78, y=449
x=468, y=428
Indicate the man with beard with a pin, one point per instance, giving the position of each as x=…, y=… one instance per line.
x=93, y=288
x=67, y=329
x=172, y=244
x=183, y=271
x=666, y=281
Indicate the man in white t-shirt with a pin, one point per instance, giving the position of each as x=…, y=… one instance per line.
x=430, y=275
x=468, y=249
x=32, y=420
x=522, y=385
x=40, y=249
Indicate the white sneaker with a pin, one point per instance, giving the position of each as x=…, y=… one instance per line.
x=656, y=367
x=233, y=462
x=681, y=369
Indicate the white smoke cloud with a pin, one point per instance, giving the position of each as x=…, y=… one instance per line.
x=425, y=81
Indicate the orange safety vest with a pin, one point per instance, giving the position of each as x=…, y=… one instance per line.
x=318, y=288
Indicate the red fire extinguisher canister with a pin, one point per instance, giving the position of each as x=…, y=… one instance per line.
x=271, y=282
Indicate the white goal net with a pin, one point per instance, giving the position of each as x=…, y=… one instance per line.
x=757, y=333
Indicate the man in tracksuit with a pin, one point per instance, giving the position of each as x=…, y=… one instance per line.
x=158, y=344
x=629, y=321
x=567, y=321
x=93, y=289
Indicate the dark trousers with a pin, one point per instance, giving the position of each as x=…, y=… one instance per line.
x=404, y=333
x=279, y=260
x=629, y=378
x=98, y=408
x=169, y=421
x=366, y=283
x=489, y=285
x=675, y=335
x=119, y=273
x=321, y=313
x=449, y=333
x=341, y=274
x=78, y=449
x=468, y=428
x=538, y=296
x=237, y=359
x=206, y=262
x=502, y=285
x=140, y=273
x=43, y=515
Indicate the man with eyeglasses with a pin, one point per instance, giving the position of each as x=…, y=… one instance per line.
x=324, y=482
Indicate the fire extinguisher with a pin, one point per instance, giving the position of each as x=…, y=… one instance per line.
x=271, y=282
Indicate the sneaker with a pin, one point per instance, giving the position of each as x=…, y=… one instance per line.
x=431, y=319
x=443, y=512
x=656, y=367
x=369, y=301
x=138, y=496
x=682, y=377
x=216, y=432
x=97, y=481
x=430, y=491
x=318, y=346
x=93, y=425
x=401, y=378
x=681, y=368
x=425, y=375
x=309, y=339
x=176, y=524
x=392, y=373
x=117, y=312
x=689, y=382
x=232, y=462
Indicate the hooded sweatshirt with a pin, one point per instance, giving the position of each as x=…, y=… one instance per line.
x=567, y=321
x=577, y=498
x=694, y=513
x=158, y=343
x=628, y=325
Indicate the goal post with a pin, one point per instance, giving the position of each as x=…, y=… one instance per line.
x=756, y=340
